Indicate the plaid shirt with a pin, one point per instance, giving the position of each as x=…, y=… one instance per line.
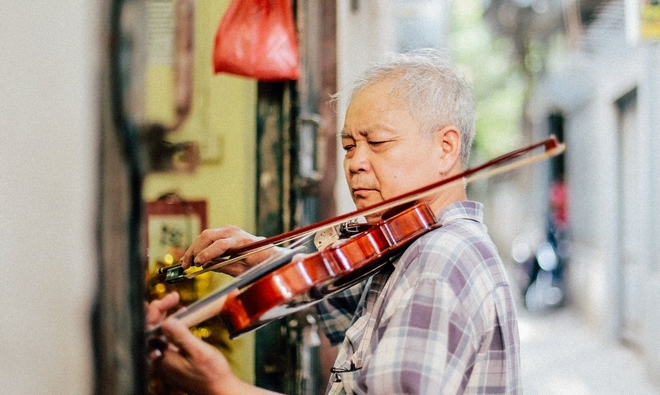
x=441, y=320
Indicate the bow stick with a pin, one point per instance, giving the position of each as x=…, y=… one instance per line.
x=212, y=304
x=552, y=148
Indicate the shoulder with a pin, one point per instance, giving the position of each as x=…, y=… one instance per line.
x=459, y=255
x=461, y=243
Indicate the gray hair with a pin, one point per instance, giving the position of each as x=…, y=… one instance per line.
x=437, y=96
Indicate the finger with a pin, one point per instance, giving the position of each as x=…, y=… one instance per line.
x=154, y=355
x=170, y=300
x=187, y=343
x=212, y=243
x=170, y=364
x=157, y=343
x=202, y=241
x=157, y=309
x=234, y=269
x=167, y=302
x=214, y=250
x=207, y=239
x=186, y=259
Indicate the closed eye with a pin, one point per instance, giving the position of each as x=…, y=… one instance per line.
x=379, y=143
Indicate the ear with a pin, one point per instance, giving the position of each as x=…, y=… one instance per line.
x=448, y=142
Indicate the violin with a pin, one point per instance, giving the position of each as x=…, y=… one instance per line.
x=310, y=279
x=285, y=284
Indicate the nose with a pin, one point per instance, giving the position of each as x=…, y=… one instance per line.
x=358, y=160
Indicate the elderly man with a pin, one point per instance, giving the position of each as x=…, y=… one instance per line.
x=440, y=318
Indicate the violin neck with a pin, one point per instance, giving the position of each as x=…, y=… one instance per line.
x=202, y=312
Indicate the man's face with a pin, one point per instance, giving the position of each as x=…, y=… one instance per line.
x=386, y=153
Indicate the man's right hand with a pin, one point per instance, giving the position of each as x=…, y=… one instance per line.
x=188, y=362
x=212, y=243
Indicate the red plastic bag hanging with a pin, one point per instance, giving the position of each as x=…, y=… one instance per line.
x=257, y=38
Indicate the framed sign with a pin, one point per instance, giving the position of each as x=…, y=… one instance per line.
x=172, y=225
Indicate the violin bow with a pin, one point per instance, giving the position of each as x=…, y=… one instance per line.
x=501, y=164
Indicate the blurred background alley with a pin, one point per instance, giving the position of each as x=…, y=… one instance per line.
x=562, y=356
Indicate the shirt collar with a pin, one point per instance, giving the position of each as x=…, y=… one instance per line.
x=464, y=209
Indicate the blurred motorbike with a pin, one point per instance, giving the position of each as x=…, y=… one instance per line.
x=541, y=274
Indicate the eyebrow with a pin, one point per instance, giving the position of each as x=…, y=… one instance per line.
x=346, y=135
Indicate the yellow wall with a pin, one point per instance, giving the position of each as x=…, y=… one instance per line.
x=223, y=115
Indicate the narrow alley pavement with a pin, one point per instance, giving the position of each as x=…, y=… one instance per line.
x=560, y=356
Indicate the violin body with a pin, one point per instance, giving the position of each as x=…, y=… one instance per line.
x=308, y=280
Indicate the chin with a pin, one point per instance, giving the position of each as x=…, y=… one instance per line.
x=361, y=204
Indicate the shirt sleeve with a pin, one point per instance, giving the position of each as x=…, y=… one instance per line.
x=336, y=312
x=424, y=347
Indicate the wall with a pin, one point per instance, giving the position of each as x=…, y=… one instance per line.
x=650, y=119
x=223, y=122
x=367, y=30
x=363, y=36
x=48, y=164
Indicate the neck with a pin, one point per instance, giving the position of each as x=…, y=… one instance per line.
x=445, y=198
x=448, y=196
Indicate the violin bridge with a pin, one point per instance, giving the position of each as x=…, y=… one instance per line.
x=325, y=238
